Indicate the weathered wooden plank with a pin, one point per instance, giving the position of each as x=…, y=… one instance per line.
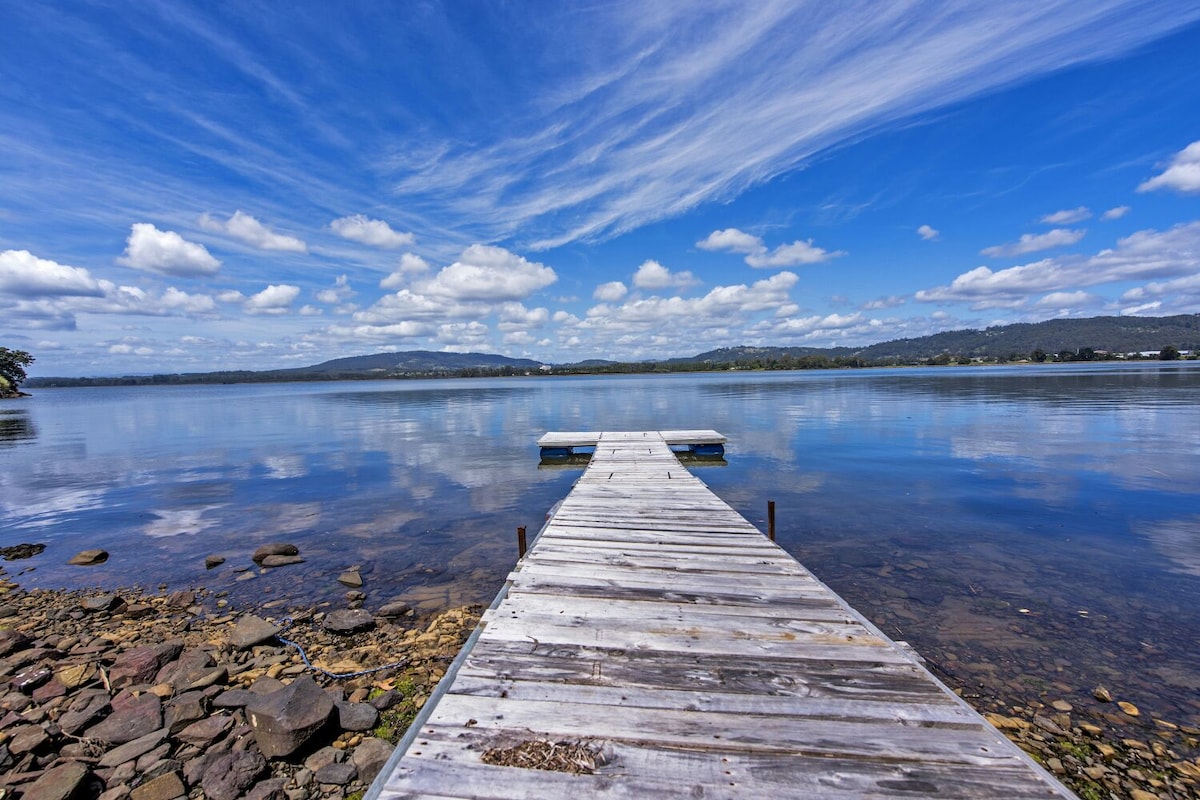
x=654, y=772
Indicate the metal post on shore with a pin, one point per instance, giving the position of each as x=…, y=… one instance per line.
x=771, y=519
x=521, y=541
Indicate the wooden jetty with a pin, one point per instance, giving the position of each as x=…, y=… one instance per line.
x=656, y=641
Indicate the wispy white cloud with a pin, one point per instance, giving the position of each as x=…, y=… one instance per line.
x=1143, y=255
x=488, y=273
x=374, y=232
x=1033, y=242
x=1067, y=216
x=732, y=240
x=928, y=233
x=1114, y=213
x=1182, y=174
x=167, y=253
x=659, y=128
x=410, y=264
x=248, y=230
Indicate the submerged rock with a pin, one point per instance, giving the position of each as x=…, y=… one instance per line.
x=86, y=558
x=274, y=549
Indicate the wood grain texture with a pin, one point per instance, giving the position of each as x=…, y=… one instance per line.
x=656, y=624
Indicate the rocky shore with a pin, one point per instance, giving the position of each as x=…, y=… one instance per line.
x=145, y=696
x=124, y=694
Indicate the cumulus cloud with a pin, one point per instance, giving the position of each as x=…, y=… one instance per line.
x=610, y=292
x=1182, y=174
x=1067, y=216
x=167, y=253
x=1114, y=213
x=1033, y=242
x=490, y=274
x=793, y=255
x=891, y=301
x=1143, y=255
x=653, y=275
x=25, y=275
x=339, y=292
x=374, y=232
x=275, y=299
x=928, y=233
x=759, y=256
x=248, y=230
x=1067, y=301
x=732, y=240
x=410, y=264
x=712, y=309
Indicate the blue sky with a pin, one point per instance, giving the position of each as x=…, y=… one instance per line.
x=194, y=186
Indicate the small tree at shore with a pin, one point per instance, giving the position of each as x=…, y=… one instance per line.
x=1169, y=353
x=12, y=369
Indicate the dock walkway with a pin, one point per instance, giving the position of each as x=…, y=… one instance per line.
x=685, y=655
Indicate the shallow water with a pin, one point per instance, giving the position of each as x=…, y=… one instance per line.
x=1031, y=528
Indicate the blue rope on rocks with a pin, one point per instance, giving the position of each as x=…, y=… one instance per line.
x=287, y=623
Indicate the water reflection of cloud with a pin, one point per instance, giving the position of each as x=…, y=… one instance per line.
x=1178, y=540
x=283, y=467
x=180, y=521
x=48, y=507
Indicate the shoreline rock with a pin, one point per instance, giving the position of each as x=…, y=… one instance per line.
x=114, y=705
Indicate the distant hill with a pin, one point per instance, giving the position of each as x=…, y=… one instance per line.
x=416, y=361
x=1113, y=334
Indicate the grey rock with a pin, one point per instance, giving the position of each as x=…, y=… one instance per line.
x=370, y=756
x=268, y=790
x=336, y=774
x=251, y=630
x=265, y=685
x=233, y=698
x=346, y=620
x=86, y=558
x=101, y=602
x=28, y=739
x=231, y=774
x=185, y=709
x=283, y=721
x=29, y=679
x=131, y=750
x=83, y=712
x=59, y=783
x=181, y=599
x=386, y=700
x=326, y=755
x=351, y=578
x=141, y=664
x=213, y=561
x=148, y=760
x=396, y=608
x=274, y=549
x=12, y=641
x=356, y=716
x=203, y=732
x=139, y=716
x=190, y=664
x=280, y=561
x=164, y=787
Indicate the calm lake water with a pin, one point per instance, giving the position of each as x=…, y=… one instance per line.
x=1033, y=531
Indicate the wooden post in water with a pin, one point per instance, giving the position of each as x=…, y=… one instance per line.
x=521, y=541
x=771, y=519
